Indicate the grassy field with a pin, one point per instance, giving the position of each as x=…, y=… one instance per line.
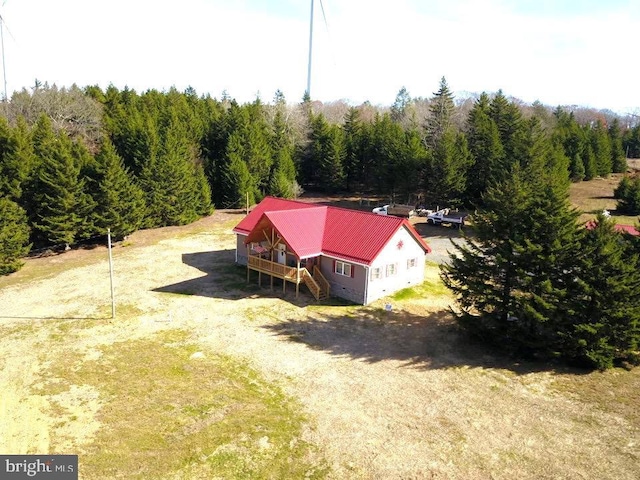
x=597, y=195
x=203, y=376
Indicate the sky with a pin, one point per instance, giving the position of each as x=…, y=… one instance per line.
x=558, y=52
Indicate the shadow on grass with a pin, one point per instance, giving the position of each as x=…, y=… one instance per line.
x=424, y=342
x=226, y=280
x=29, y=317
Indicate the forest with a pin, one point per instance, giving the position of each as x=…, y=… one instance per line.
x=76, y=161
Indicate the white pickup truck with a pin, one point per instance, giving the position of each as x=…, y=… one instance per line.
x=397, y=210
x=447, y=217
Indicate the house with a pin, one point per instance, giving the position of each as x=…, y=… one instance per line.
x=358, y=256
x=624, y=229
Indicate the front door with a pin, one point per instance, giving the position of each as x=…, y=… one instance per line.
x=282, y=253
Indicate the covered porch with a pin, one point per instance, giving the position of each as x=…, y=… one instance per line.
x=314, y=280
x=278, y=246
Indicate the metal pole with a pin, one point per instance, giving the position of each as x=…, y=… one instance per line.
x=310, y=51
x=4, y=68
x=113, y=300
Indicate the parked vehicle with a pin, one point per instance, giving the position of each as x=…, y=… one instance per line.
x=445, y=216
x=397, y=210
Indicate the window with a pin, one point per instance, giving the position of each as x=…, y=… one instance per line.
x=392, y=269
x=412, y=262
x=376, y=273
x=343, y=268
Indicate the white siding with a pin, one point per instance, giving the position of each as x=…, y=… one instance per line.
x=404, y=276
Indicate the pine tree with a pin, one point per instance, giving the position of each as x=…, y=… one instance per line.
x=202, y=190
x=508, y=120
x=326, y=154
x=571, y=137
x=120, y=202
x=601, y=145
x=354, y=148
x=168, y=182
x=606, y=329
x=14, y=236
x=61, y=207
x=238, y=180
x=618, y=157
x=589, y=161
x=484, y=273
x=513, y=277
x=400, y=110
x=441, y=110
x=19, y=161
x=628, y=195
x=486, y=151
x=447, y=170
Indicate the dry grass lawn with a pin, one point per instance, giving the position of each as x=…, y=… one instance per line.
x=281, y=387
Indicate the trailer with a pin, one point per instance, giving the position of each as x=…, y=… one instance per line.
x=396, y=210
x=446, y=216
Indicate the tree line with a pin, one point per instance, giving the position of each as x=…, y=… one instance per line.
x=74, y=161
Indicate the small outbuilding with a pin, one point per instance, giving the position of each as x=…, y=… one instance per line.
x=355, y=255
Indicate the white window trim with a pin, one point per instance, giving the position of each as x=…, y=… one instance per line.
x=412, y=262
x=375, y=270
x=342, y=267
x=393, y=266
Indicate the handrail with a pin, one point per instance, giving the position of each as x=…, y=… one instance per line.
x=317, y=283
x=311, y=284
x=317, y=275
x=267, y=266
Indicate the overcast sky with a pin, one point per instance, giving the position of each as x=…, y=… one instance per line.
x=581, y=52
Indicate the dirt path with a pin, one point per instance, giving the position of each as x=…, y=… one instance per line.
x=388, y=395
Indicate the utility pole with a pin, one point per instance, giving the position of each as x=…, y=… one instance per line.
x=310, y=52
x=113, y=300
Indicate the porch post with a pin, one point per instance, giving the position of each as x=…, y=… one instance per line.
x=298, y=278
x=248, y=269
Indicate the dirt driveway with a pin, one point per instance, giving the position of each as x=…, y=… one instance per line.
x=388, y=394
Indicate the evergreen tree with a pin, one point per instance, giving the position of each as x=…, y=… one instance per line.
x=618, y=157
x=607, y=312
x=14, y=236
x=631, y=142
x=354, y=148
x=239, y=184
x=576, y=168
x=413, y=159
x=168, y=182
x=571, y=137
x=628, y=195
x=486, y=151
x=484, y=272
x=513, y=278
x=202, y=191
x=590, y=164
x=508, y=120
x=120, y=202
x=601, y=145
x=61, y=208
x=401, y=111
x=447, y=170
x=441, y=110
x=327, y=153
x=283, y=180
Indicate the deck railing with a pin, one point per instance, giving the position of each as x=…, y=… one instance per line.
x=317, y=283
x=321, y=281
x=274, y=268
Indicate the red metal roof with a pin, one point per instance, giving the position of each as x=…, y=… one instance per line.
x=310, y=230
x=591, y=224
x=268, y=204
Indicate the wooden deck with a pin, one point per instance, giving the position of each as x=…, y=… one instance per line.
x=316, y=283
